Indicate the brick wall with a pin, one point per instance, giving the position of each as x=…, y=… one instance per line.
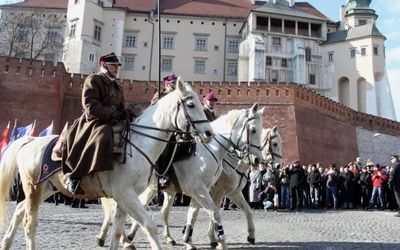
x=313, y=127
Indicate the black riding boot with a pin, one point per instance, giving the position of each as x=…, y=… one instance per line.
x=73, y=186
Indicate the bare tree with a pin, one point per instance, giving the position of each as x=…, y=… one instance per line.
x=33, y=34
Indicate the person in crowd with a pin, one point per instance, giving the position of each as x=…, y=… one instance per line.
x=268, y=195
x=314, y=181
x=365, y=182
x=95, y=136
x=284, y=181
x=331, y=178
x=297, y=176
x=255, y=187
x=268, y=177
x=346, y=187
x=78, y=203
x=322, y=192
x=353, y=167
x=394, y=179
x=306, y=201
x=209, y=101
x=378, y=178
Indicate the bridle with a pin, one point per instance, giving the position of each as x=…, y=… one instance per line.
x=184, y=134
x=237, y=151
x=268, y=145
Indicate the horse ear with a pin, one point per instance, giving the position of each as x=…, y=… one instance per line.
x=254, y=108
x=181, y=86
x=261, y=111
x=275, y=128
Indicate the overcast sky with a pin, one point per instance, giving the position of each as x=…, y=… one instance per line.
x=388, y=24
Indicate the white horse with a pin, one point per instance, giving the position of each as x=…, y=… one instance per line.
x=234, y=178
x=240, y=130
x=181, y=110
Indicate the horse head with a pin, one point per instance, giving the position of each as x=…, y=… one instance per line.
x=246, y=135
x=272, y=147
x=188, y=114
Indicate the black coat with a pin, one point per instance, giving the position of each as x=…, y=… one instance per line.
x=297, y=176
x=314, y=179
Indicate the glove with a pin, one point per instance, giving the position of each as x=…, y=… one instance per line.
x=117, y=116
x=131, y=114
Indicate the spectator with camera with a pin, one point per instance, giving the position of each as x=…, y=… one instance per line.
x=378, y=179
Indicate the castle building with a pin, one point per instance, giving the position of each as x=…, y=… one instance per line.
x=232, y=40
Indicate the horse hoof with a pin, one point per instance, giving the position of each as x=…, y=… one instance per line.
x=131, y=236
x=171, y=243
x=100, y=242
x=213, y=245
x=130, y=247
x=251, y=240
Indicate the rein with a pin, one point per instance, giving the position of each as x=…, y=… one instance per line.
x=187, y=134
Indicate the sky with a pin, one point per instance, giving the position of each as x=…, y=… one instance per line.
x=388, y=12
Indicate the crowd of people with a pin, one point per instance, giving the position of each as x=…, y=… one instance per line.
x=353, y=186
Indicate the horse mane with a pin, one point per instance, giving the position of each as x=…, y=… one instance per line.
x=232, y=116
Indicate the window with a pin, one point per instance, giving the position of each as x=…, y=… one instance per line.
x=284, y=62
x=232, y=68
x=363, y=51
x=100, y=3
x=201, y=44
x=216, y=48
x=49, y=57
x=97, y=32
x=233, y=46
x=276, y=41
x=376, y=51
x=362, y=22
x=52, y=36
x=129, y=63
x=330, y=57
x=352, y=53
x=130, y=40
x=199, y=66
x=73, y=30
x=312, y=79
x=269, y=60
x=76, y=1
x=23, y=35
x=308, y=54
x=166, y=64
x=168, y=42
x=91, y=57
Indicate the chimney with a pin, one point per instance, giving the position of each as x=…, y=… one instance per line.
x=291, y=3
x=342, y=17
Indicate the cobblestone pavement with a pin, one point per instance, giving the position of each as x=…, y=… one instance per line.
x=63, y=227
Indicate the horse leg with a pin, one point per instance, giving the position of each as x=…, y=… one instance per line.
x=165, y=210
x=193, y=211
x=33, y=198
x=107, y=205
x=203, y=197
x=217, y=194
x=145, y=199
x=14, y=223
x=136, y=210
x=239, y=200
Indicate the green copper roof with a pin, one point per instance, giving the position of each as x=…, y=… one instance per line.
x=359, y=6
x=282, y=8
x=353, y=33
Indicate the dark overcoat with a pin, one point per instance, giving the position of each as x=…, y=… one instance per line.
x=209, y=114
x=89, y=145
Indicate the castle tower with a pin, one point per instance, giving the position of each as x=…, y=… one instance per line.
x=356, y=56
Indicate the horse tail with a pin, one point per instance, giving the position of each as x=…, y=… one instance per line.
x=8, y=171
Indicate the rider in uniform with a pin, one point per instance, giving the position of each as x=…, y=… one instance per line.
x=89, y=144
